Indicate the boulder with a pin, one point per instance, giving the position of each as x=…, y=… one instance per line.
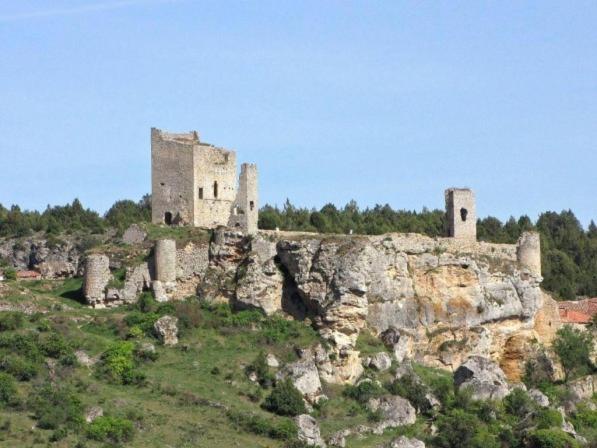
x=166, y=328
x=380, y=361
x=483, y=378
x=308, y=430
x=305, y=377
x=93, y=413
x=539, y=397
x=84, y=359
x=405, y=442
x=393, y=410
x=272, y=361
x=583, y=388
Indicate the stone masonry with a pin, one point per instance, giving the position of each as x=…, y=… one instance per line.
x=461, y=214
x=195, y=183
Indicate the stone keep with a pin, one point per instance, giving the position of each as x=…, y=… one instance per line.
x=195, y=183
x=461, y=214
x=96, y=278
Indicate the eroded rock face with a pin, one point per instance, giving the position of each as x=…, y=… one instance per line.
x=166, y=328
x=394, y=411
x=308, y=430
x=483, y=378
x=134, y=235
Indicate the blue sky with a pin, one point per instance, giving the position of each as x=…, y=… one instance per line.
x=381, y=102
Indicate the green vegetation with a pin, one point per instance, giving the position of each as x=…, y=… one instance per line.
x=285, y=399
x=574, y=349
x=111, y=429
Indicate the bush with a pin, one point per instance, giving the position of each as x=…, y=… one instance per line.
x=110, y=429
x=574, y=348
x=10, y=274
x=551, y=438
x=55, y=346
x=456, y=429
x=282, y=430
x=55, y=406
x=117, y=364
x=548, y=418
x=364, y=391
x=518, y=403
x=285, y=399
x=22, y=369
x=411, y=388
x=11, y=320
x=261, y=369
x=8, y=390
x=144, y=321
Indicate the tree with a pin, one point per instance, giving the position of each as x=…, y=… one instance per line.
x=574, y=348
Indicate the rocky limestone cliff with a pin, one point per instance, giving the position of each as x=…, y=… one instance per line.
x=435, y=300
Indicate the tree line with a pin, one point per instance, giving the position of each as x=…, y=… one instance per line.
x=569, y=252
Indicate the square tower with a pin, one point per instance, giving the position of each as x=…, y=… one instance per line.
x=461, y=215
x=195, y=183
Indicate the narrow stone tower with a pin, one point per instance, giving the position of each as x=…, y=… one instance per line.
x=461, y=213
x=528, y=252
x=165, y=261
x=96, y=278
x=245, y=211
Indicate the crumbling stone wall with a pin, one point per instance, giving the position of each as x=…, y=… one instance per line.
x=245, y=211
x=528, y=252
x=461, y=213
x=165, y=261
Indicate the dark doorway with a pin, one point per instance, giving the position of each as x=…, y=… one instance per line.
x=168, y=218
x=200, y=193
x=216, y=190
x=463, y=213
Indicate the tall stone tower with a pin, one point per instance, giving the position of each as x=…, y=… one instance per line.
x=461, y=213
x=195, y=183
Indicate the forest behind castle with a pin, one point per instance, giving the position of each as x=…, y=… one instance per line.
x=569, y=251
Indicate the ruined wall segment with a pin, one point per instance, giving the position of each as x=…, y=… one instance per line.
x=461, y=213
x=165, y=261
x=215, y=185
x=246, y=207
x=528, y=252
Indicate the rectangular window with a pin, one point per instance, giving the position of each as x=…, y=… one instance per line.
x=251, y=205
x=200, y=193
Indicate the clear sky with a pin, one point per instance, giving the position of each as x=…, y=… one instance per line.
x=377, y=101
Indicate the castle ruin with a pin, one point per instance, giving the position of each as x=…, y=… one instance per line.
x=195, y=183
x=461, y=215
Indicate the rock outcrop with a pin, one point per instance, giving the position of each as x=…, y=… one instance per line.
x=308, y=430
x=166, y=328
x=483, y=378
x=394, y=411
x=406, y=442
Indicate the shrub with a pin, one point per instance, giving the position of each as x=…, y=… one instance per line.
x=54, y=406
x=282, y=430
x=8, y=390
x=410, y=387
x=189, y=313
x=25, y=345
x=55, y=346
x=144, y=321
x=260, y=368
x=110, y=429
x=548, y=418
x=11, y=320
x=118, y=364
x=518, y=403
x=457, y=429
x=551, y=438
x=58, y=434
x=10, y=274
x=574, y=348
x=364, y=391
x=285, y=399
x=22, y=369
